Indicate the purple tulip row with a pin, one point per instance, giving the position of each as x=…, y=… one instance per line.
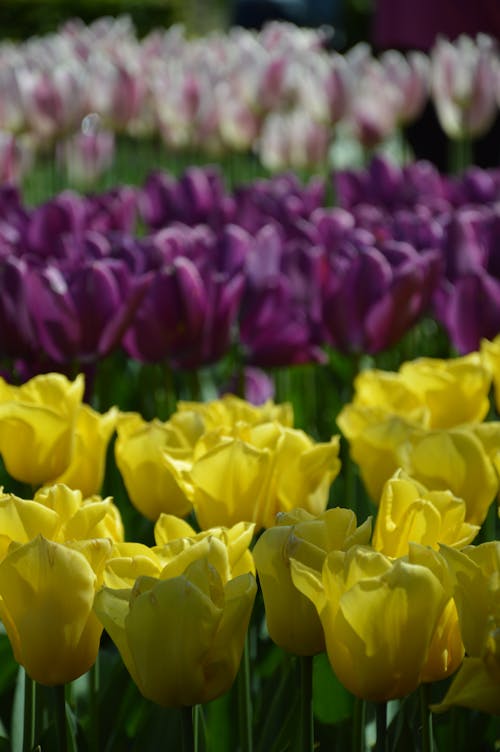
x=268, y=269
x=278, y=92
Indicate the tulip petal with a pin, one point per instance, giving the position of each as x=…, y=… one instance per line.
x=472, y=687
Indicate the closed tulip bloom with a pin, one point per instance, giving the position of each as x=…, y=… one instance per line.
x=446, y=649
x=37, y=422
x=463, y=79
x=292, y=620
x=490, y=356
x=453, y=459
x=81, y=312
x=476, y=291
x=225, y=413
x=257, y=471
x=371, y=610
x=456, y=459
x=396, y=280
x=375, y=438
x=237, y=539
x=87, y=154
x=477, y=683
x=454, y=391
x=91, y=437
x=139, y=453
x=388, y=391
x=409, y=513
x=430, y=392
x=178, y=546
x=47, y=592
x=59, y=514
x=181, y=634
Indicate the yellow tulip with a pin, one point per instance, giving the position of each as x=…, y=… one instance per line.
x=127, y=562
x=139, y=451
x=58, y=513
x=47, y=591
x=409, y=512
x=390, y=393
x=375, y=440
x=292, y=620
x=446, y=649
x=91, y=437
x=429, y=392
x=37, y=423
x=237, y=539
x=490, y=355
x=453, y=459
x=454, y=391
x=259, y=471
x=227, y=412
x=372, y=609
x=181, y=634
x=477, y=595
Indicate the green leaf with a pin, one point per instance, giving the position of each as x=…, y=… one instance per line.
x=332, y=702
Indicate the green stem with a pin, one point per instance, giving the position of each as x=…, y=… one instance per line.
x=197, y=726
x=188, y=737
x=425, y=719
x=460, y=158
x=194, y=382
x=489, y=528
x=358, y=725
x=94, y=706
x=60, y=703
x=381, y=721
x=245, y=702
x=29, y=713
x=305, y=740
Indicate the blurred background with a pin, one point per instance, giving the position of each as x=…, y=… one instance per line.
x=20, y=19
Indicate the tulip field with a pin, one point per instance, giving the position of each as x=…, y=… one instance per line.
x=249, y=395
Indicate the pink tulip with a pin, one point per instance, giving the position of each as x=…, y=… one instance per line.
x=464, y=83
x=410, y=74
x=87, y=154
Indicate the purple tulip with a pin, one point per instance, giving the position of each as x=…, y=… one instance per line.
x=184, y=317
x=17, y=334
x=81, y=314
x=387, y=185
x=49, y=223
x=373, y=295
x=113, y=210
x=282, y=200
x=198, y=197
x=279, y=323
x=469, y=309
x=465, y=243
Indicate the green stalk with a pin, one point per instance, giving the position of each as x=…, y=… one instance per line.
x=197, y=726
x=94, y=706
x=358, y=725
x=188, y=737
x=245, y=702
x=60, y=704
x=460, y=151
x=29, y=713
x=305, y=737
x=425, y=719
x=489, y=528
x=381, y=721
